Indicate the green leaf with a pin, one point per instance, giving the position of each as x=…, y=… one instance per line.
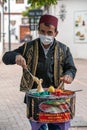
x=37, y=4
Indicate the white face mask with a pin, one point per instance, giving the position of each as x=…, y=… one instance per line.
x=46, y=39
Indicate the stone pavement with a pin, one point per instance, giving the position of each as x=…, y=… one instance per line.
x=13, y=110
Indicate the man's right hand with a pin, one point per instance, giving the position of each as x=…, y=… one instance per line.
x=20, y=61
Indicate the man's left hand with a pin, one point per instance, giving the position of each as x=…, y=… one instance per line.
x=66, y=79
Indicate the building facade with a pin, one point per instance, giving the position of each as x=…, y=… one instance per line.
x=18, y=24
x=72, y=24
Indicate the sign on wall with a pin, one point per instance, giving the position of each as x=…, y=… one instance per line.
x=80, y=25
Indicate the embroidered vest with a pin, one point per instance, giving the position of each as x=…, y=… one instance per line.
x=31, y=56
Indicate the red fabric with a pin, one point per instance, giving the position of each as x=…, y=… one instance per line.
x=52, y=20
x=55, y=117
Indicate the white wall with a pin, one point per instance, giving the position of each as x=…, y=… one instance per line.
x=66, y=28
x=17, y=18
x=1, y=42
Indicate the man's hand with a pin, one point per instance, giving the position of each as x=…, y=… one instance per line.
x=66, y=79
x=20, y=61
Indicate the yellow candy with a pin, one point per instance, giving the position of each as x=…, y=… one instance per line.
x=51, y=89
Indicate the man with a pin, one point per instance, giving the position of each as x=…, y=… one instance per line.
x=46, y=58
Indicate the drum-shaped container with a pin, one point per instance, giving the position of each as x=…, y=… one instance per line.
x=50, y=107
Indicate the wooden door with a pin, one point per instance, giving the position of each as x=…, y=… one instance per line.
x=24, y=30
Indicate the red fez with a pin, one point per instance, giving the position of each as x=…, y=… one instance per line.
x=49, y=19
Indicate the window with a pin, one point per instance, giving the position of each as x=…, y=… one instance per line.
x=19, y=1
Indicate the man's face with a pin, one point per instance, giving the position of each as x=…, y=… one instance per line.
x=47, y=30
